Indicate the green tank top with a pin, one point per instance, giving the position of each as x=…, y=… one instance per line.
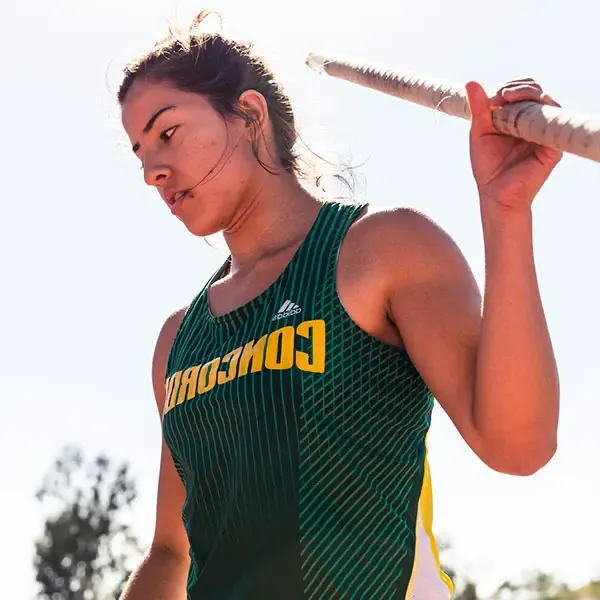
x=300, y=440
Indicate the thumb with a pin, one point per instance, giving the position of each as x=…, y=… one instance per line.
x=479, y=104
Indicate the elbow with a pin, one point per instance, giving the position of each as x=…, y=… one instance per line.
x=167, y=553
x=521, y=462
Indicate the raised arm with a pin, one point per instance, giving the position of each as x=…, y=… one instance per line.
x=493, y=371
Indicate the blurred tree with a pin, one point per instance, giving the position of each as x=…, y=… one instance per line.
x=589, y=592
x=537, y=586
x=444, y=549
x=467, y=592
x=464, y=588
x=507, y=590
x=85, y=551
x=542, y=586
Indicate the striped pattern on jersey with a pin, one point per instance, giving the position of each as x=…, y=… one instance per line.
x=300, y=441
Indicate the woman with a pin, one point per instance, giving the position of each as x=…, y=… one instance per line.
x=296, y=389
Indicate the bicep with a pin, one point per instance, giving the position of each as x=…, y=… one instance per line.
x=169, y=533
x=437, y=311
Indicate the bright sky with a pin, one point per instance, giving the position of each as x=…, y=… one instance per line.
x=92, y=262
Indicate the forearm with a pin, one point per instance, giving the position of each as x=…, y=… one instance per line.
x=160, y=576
x=517, y=390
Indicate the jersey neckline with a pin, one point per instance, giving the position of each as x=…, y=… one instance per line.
x=237, y=316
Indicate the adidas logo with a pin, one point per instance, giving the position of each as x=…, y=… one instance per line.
x=287, y=310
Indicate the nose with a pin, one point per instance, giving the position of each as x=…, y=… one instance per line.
x=156, y=175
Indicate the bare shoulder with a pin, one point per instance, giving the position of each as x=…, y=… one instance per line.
x=385, y=251
x=396, y=227
x=164, y=342
x=401, y=242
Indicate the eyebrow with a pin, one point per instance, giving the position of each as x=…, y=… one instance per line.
x=150, y=124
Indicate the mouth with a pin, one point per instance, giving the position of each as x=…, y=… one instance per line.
x=175, y=199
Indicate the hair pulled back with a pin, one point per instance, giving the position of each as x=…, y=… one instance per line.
x=221, y=70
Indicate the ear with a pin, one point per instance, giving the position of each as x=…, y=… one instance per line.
x=255, y=105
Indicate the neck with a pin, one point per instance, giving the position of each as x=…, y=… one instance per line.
x=279, y=213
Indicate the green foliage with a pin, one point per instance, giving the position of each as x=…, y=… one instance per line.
x=468, y=592
x=85, y=552
x=536, y=585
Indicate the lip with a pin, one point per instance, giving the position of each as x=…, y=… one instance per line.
x=175, y=200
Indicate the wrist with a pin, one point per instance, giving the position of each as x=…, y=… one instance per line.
x=496, y=217
x=507, y=233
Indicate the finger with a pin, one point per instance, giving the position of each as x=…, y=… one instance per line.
x=525, y=81
x=523, y=87
x=514, y=92
x=521, y=94
x=549, y=100
x=479, y=104
x=497, y=100
x=548, y=156
x=511, y=96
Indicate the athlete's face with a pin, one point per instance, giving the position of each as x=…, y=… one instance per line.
x=201, y=163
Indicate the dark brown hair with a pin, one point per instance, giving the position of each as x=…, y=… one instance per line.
x=221, y=70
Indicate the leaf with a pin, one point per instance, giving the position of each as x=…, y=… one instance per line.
x=76, y=556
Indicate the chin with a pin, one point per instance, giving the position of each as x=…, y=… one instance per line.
x=201, y=227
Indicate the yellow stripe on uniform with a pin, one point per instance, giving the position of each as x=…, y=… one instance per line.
x=428, y=581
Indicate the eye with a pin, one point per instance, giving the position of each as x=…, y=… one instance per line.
x=167, y=134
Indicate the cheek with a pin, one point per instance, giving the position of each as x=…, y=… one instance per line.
x=201, y=155
x=224, y=163
x=244, y=158
x=237, y=164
